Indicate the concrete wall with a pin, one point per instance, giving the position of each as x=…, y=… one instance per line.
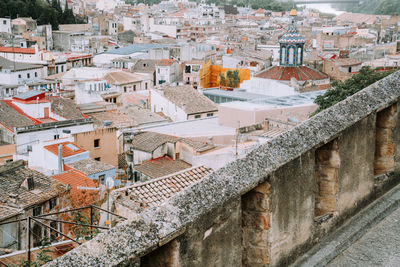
x=107, y=152
x=271, y=206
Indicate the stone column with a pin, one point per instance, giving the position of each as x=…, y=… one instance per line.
x=255, y=226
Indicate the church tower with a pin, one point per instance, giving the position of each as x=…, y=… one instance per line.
x=291, y=45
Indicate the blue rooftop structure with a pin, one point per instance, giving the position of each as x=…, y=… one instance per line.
x=29, y=94
x=127, y=50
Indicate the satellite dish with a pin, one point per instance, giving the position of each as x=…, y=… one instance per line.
x=109, y=183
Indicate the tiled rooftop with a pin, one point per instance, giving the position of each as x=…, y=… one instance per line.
x=122, y=77
x=65, y=108
x=11, y=118
x=74, y=179
x=18, y=66
x=160, y=167
x=17, y=50
x=156, y=191
x=189, y=99
x=301, y=73
x=90, y=166
x=13, y=178
x=150, y=141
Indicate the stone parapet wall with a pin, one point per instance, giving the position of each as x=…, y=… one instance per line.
x=271, y=206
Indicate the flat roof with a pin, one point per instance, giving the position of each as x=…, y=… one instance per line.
x=291, y=100
x=239, y=94
x=192, y=128
x=28, y=94
x=135, y=48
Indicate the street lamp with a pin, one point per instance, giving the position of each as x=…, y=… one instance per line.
x=109, y=184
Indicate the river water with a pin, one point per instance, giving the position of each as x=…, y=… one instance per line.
x=325, y=8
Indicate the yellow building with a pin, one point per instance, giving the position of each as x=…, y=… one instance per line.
x=209, y=74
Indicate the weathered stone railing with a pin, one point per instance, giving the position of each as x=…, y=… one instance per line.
x=274, y=204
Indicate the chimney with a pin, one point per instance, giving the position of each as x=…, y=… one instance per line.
x=60, y=161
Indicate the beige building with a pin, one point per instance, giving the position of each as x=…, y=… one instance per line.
x=6, y=152
x=341, y=68
x=101, y=144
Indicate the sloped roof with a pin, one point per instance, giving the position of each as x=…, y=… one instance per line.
x=122, y=77
x=90, y=166
x=292, y=36
x=301, y=73
x=145, y=65
x=18, y=50
x=189, y=99
x=142, y=116
x=65, y=108
x=156, y=191
x=150, y=141
x=160, y=167
x=11, y=118
x=13, y=175
x=74, y=179
x=198, y=146
x=18, y=66
x=68, y=149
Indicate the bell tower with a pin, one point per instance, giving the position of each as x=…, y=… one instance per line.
x=291, y=45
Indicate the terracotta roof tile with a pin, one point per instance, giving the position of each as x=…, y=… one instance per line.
x=74, y=179
x=301, y=73
x=164, y=187
x=68, y=149
x=13, y=176
x=160, y=167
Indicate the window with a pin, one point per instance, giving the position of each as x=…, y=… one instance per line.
x=210, y=114
x=62, y=68
x=197, y=116
x=52, y=203
x=35, y=74
x=19, y=76
x=349, y=69
x=53, y=234
x=37, y=211
x=56, y=136
x=145, y=85
x=134, y=87
x=4, y=22
x=28, y=75
x=97, y=159
x=102, y=178
x=96, y=143
x=124, y=89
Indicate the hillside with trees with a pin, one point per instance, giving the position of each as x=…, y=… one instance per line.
x=255, y=4
x=45, y=12
x=379, y=7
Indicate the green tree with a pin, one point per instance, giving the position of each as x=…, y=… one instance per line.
x=342, y=90
x=68, y=16
x=222, y=80
x=236, y=78
x=80, y=231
